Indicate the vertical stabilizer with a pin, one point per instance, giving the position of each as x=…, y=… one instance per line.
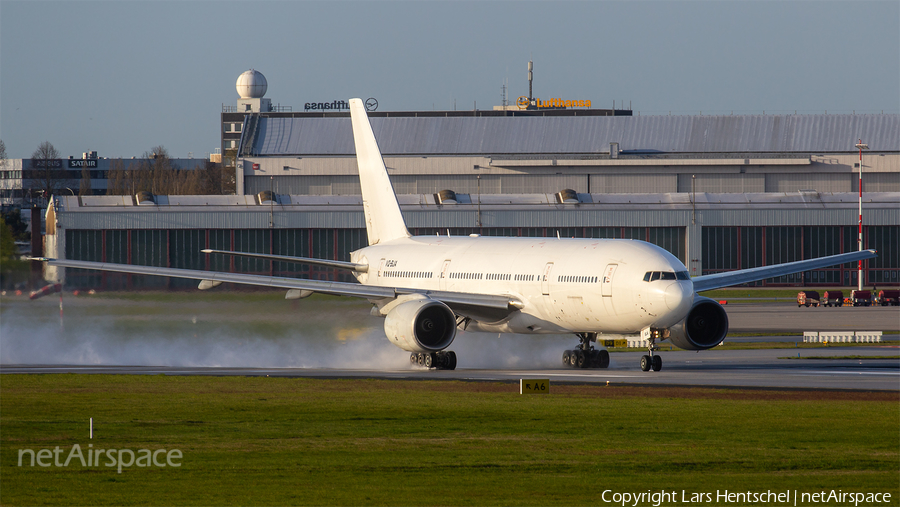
x=383, y=219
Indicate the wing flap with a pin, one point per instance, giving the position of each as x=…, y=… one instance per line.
x=719, y=280
x=352, y=266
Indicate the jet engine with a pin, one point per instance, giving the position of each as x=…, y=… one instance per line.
x=421, y=325
x=704, y=327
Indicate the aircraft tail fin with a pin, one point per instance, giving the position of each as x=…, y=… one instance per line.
x=383, y=219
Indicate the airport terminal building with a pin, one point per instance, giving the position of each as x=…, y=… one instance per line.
x=719, y=192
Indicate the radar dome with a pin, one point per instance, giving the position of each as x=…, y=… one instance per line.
x=251, y=85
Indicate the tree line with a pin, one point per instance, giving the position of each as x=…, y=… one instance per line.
x=154, y=172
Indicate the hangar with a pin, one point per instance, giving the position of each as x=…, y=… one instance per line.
x=719, y=192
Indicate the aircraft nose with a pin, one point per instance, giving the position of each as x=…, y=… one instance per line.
x=679, y=295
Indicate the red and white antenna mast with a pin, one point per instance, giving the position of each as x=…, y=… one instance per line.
x=861, y=147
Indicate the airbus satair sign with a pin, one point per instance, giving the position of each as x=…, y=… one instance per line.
x=76, y=163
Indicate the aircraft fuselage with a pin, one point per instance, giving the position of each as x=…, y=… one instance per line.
x=565, y=285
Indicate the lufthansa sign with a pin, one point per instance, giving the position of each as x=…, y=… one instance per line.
x=334, y=105
x=524, y=103
x=75, y=164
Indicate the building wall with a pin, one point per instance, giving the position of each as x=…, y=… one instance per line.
x=429, y=174
x=709, y=232
x=723, y=249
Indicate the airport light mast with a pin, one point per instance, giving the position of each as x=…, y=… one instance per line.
x=861, y=147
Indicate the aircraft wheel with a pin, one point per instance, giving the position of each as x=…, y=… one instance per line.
x=657, y=363
x=420, y=359
x=604, y=359
x=645, y=363
x=451, y=360
x=429, y=360
x=414, y=358
x=580, y=359
x=566, y=357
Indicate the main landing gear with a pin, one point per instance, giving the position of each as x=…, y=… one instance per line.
x=649, y=361
x=585, y=355
x=443, y=360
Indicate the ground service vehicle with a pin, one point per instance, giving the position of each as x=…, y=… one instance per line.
x=808, y=298
x=861, y=298
x=888, y=298
x=833, y=298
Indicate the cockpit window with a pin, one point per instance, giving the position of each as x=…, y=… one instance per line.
x=652, y=276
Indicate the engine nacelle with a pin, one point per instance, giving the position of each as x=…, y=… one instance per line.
x=421, y=325
x=704, y=327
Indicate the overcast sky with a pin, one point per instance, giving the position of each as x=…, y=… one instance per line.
x=122, y=77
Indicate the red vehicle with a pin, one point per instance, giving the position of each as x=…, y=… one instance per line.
x=808, y=298
x=861, y=297
x=833, y=298
x=888, y=298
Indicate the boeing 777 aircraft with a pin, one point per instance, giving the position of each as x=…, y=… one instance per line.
x=427, y=287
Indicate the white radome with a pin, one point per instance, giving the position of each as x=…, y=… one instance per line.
x=251, y=85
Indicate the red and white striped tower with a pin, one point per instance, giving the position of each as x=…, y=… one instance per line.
x=861, y=147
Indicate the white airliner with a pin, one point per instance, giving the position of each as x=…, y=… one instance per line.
x=427, y=287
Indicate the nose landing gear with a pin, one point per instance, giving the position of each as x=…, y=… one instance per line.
x=649, y=361
x=585, y=355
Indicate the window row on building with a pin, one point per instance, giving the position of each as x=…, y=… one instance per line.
x=723, y=249
x=730, y=248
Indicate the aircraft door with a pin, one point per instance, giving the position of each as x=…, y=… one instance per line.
x=607, y=279
x=445, y=273
x=545, y=279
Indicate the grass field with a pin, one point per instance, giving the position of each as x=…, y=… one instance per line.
x=277, y=441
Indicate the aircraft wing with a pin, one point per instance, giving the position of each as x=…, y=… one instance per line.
x=352, y=266
x=719, y=280
x=469, y=305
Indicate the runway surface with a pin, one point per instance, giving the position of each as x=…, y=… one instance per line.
x=775, y=368
x=326, y=340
